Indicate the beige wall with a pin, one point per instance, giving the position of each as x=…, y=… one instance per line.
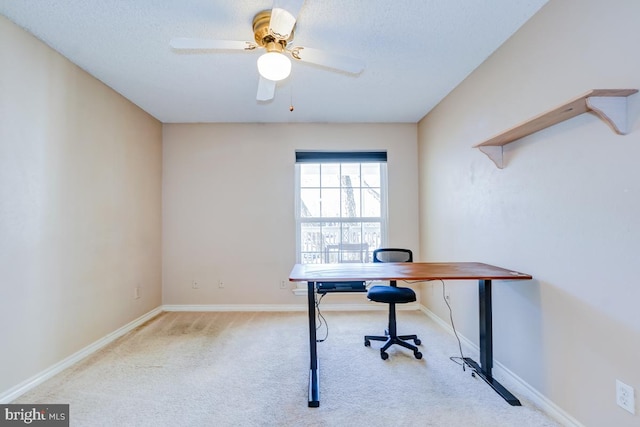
x=565, y=208
x=228, y=204
x=80, y=208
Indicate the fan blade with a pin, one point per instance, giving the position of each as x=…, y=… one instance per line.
x=182, y=43
x=319, y=57
x=293, y=6
x=266, y=89
x=283, y=18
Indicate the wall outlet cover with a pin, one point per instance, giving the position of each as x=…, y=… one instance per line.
x=625, y=396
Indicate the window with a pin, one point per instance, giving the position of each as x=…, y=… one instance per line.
x=341, y=205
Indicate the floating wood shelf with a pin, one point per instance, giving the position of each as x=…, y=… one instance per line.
x=608, y=104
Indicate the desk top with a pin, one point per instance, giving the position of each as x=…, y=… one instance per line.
x=402, y=271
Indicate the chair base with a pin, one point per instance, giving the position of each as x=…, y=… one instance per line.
x=390, y=340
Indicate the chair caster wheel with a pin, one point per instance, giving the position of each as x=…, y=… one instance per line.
x=384, y=355
x=417, y=341
x=367, y=343
x=418, y=355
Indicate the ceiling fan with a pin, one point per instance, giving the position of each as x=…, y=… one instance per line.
x=273, y=32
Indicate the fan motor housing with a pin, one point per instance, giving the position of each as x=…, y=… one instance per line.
x=262, y=35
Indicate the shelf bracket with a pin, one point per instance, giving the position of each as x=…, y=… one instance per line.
x=494, y=152
x=611, y=109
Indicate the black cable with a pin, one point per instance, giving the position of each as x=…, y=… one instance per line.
x=454, y=359
x=321, y=319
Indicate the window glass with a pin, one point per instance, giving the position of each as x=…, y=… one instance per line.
x=341, y=210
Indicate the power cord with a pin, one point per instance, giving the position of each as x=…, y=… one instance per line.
x=321, y=320
x=455, y=359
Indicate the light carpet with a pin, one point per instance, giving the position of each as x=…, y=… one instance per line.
x=251, y=369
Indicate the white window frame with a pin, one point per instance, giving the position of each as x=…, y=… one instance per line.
x=350, y=159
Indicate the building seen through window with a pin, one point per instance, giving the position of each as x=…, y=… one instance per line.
x=341, y=207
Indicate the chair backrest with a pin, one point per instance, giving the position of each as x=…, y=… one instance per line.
x=392, y=255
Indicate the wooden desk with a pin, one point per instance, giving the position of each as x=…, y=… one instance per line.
x=416, y=271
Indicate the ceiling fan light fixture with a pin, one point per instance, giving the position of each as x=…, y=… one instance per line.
x=274, y=66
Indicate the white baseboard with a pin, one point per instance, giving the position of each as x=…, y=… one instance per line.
x=234, y=307
x=15, y=392
x=283, y=307
x=502, y=371
x=369, y=306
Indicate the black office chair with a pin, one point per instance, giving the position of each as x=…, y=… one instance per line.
x=392, y=295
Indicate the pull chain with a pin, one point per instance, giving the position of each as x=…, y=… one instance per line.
x=291, y=99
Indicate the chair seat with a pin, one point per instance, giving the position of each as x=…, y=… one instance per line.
x=391, y=294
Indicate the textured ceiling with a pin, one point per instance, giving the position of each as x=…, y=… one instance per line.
x=415, y=51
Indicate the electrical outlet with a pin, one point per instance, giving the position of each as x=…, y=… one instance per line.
x=220, y=284
x=625, y=396
x=283, y=284
x=136, y=292
x=195, y=284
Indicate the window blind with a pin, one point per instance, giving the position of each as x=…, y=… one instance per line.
x=340, y=156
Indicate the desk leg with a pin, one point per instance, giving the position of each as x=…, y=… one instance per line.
x=486, y=344
x=314, y=381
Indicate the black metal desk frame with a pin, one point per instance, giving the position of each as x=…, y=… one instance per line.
x=483, y=369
